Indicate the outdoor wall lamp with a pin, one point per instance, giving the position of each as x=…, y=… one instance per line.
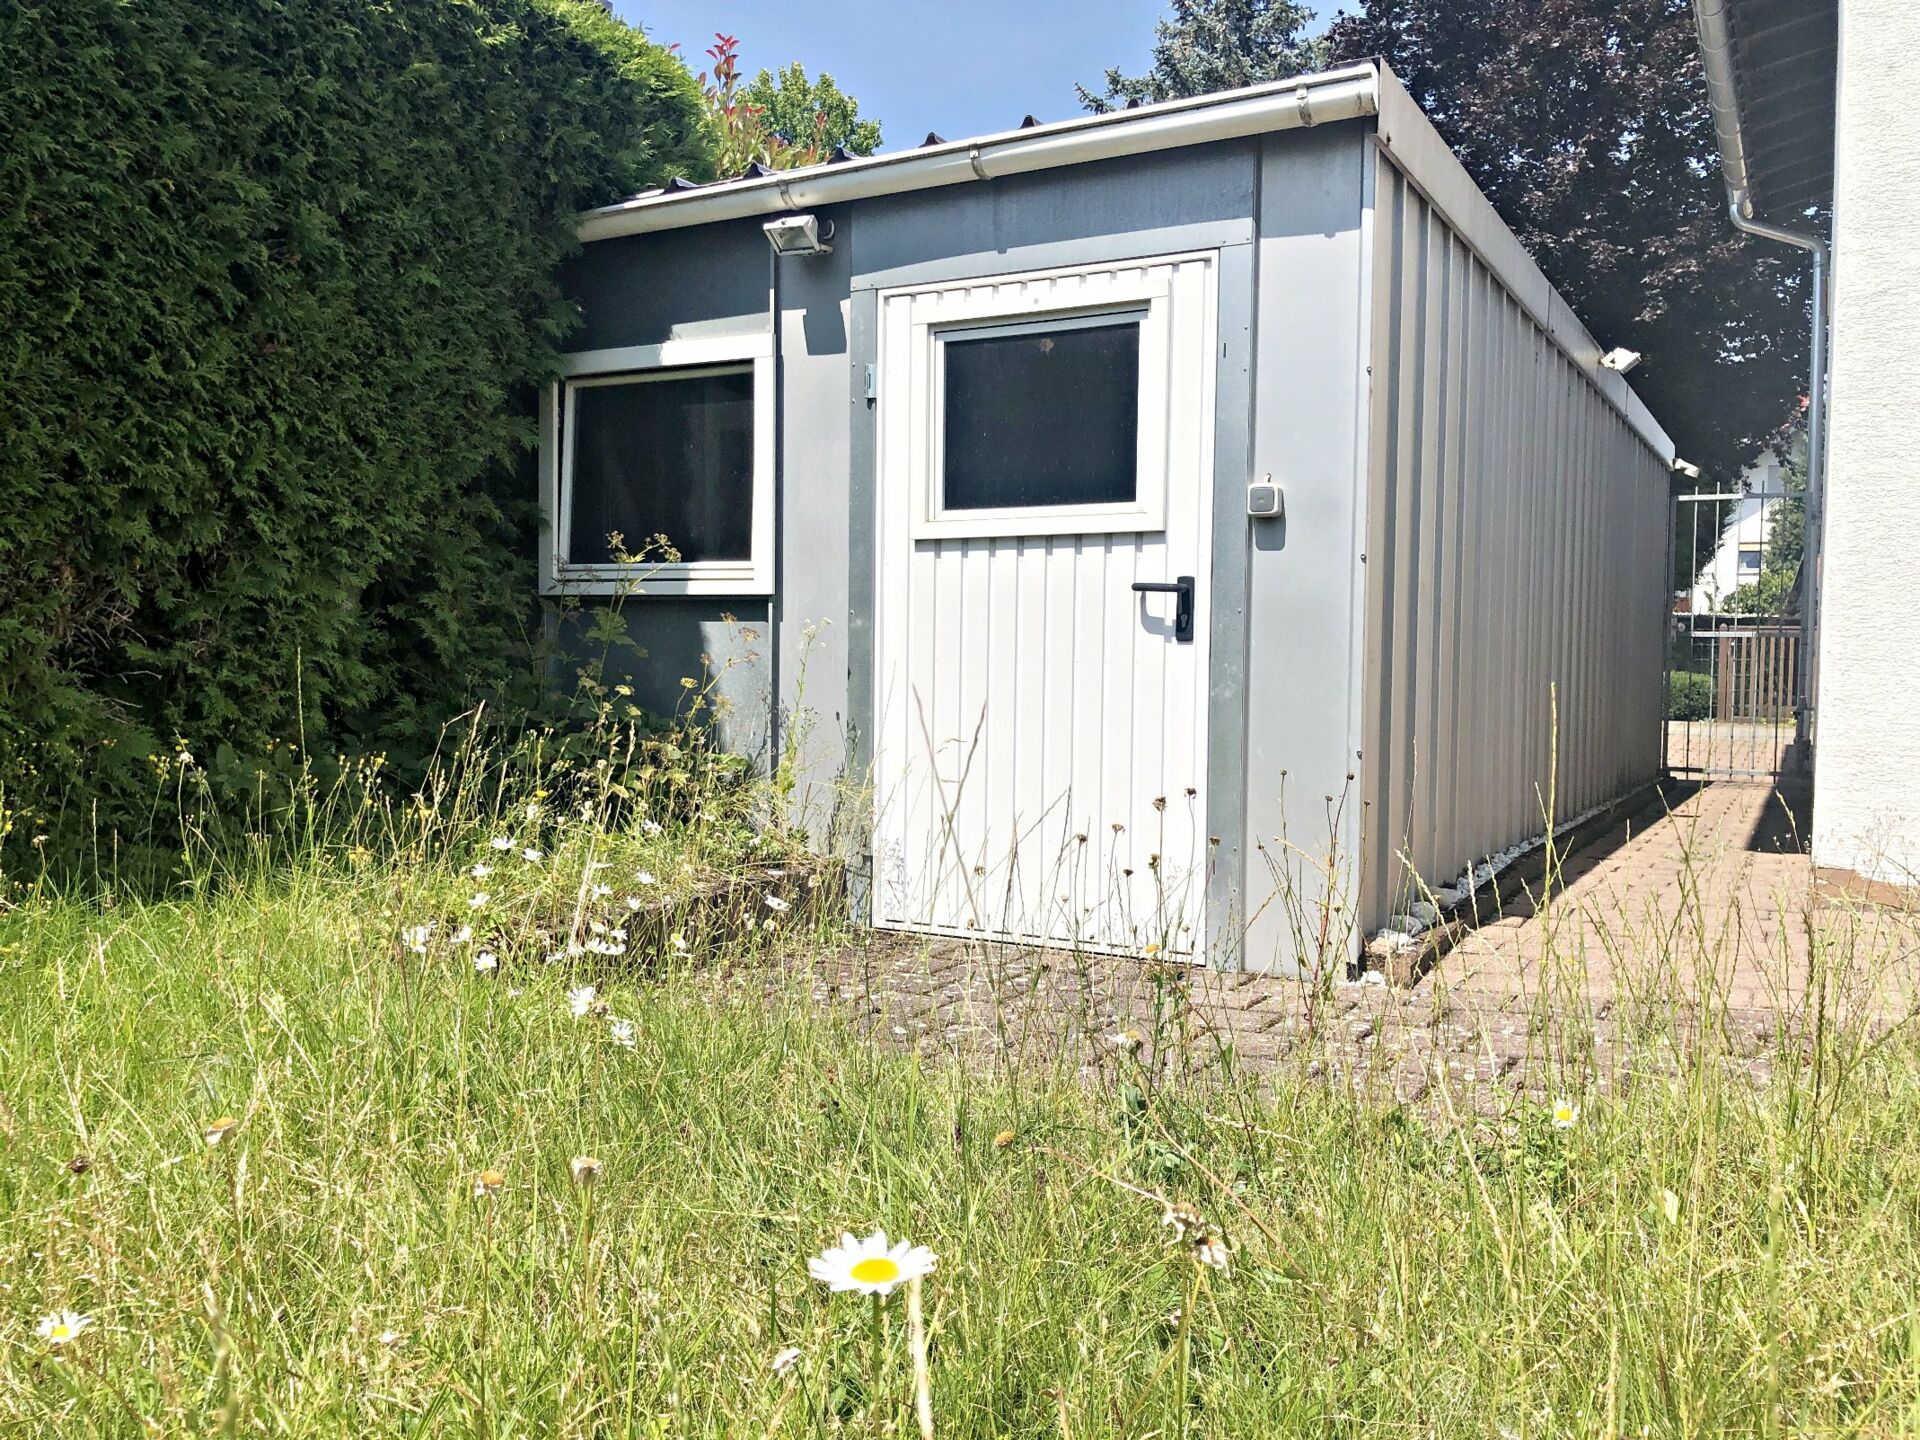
x=798, y=235
x=1620, y=358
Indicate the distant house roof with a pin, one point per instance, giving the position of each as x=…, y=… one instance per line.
x=1778, y=58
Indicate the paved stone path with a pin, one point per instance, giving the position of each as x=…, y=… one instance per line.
x=1698, y=911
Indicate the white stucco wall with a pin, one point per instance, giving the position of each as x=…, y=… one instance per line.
x=1867, y=762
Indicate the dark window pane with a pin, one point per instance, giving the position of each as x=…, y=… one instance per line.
x=1042, y=417
x=664, y=457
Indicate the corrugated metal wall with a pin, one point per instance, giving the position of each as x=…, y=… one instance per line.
x=1516, y=552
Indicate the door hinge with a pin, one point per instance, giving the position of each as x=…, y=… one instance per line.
x=873, y=383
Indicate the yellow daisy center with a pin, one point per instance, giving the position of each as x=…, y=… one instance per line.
x=875, y=1270
x=60, y=1331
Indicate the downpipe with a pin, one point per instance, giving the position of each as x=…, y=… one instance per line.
x=1716, y=49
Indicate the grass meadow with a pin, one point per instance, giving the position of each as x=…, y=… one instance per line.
x=297, y=1141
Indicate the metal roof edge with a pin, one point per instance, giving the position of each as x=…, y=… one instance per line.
x=1410, y=139
x=1343, y=94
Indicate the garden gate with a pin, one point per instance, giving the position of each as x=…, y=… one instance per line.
x=1735, y=661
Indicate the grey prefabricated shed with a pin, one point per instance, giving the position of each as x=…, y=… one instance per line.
x=1274, y=341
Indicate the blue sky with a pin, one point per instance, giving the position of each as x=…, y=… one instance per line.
x=962, y=70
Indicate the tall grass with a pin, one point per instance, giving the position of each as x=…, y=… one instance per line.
x=1692, y=1255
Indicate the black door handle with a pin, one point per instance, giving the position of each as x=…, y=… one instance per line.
x=1182, y=590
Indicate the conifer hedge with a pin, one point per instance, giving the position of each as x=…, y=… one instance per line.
x=276, y=280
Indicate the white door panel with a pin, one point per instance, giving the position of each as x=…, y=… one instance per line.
x=1041, y=733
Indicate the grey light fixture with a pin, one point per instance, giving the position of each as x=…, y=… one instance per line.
x=798, y=235
x=1620, y=358
x=1686, y=468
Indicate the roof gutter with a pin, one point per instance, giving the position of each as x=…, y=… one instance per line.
x=1716, y=52
x=1344, y=94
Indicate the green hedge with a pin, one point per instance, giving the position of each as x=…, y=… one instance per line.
x=276, y=281
x=1689, y=696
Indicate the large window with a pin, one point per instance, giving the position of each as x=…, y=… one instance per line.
x=658, y=462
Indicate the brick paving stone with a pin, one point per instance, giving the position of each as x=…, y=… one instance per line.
x=1700, y=906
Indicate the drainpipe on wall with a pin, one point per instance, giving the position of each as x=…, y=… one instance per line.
x=1716, y=51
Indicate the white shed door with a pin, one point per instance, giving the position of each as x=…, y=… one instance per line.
x=1045, y=449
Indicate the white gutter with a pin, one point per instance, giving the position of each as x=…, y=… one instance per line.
x=1344, y=94
x=1716, y=53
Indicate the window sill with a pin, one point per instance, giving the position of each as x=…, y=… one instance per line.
x=712, y=578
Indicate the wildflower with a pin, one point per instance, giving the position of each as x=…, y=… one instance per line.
x=480, y=872
x=501, y=842
x=219, y=1130
x=462, y=935
x=530, y=855
x=533, y=810
x=487, y=1184
x=1151, y=951
x=1183, y=1221
x=1003, y=1139
x=677, y=942
x=62, y=1327
x=870, y=1266
x=634, y=902
x=622, y=1033
x=601, y=892
x=486, y=961
x=1125, y=1040
x=580, y=1000
x=479, y=901
x=1566, y=1114
x=389, y=1338
x=415, y=937
x=786, y=1360
x=777, y=905
x=650, y=827
x=585, y=1170
x=1210, y=1249
x=644, y=877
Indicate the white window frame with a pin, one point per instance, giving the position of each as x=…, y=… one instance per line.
x=637, y=363
x=1146, y=300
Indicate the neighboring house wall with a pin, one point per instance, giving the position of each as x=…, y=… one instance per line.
x=1746, y=534
x=1867, y=792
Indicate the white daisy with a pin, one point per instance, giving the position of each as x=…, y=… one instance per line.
x=62, y=1327
x=634, y=902
x=480, y=872
x=1566, y=1114
x=530, y=855
x=479, y=901
x=415, y=937
x=622, y=1033
x=870, y=1266
x=600, y=892
x=533, y=810
x=486, y=961
x=501, y=842
x=650, y=827
x=462, y=935
x=580, y=1001
x=777, y=905
x=644, y=877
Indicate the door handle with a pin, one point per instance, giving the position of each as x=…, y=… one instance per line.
x=1182, y=591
